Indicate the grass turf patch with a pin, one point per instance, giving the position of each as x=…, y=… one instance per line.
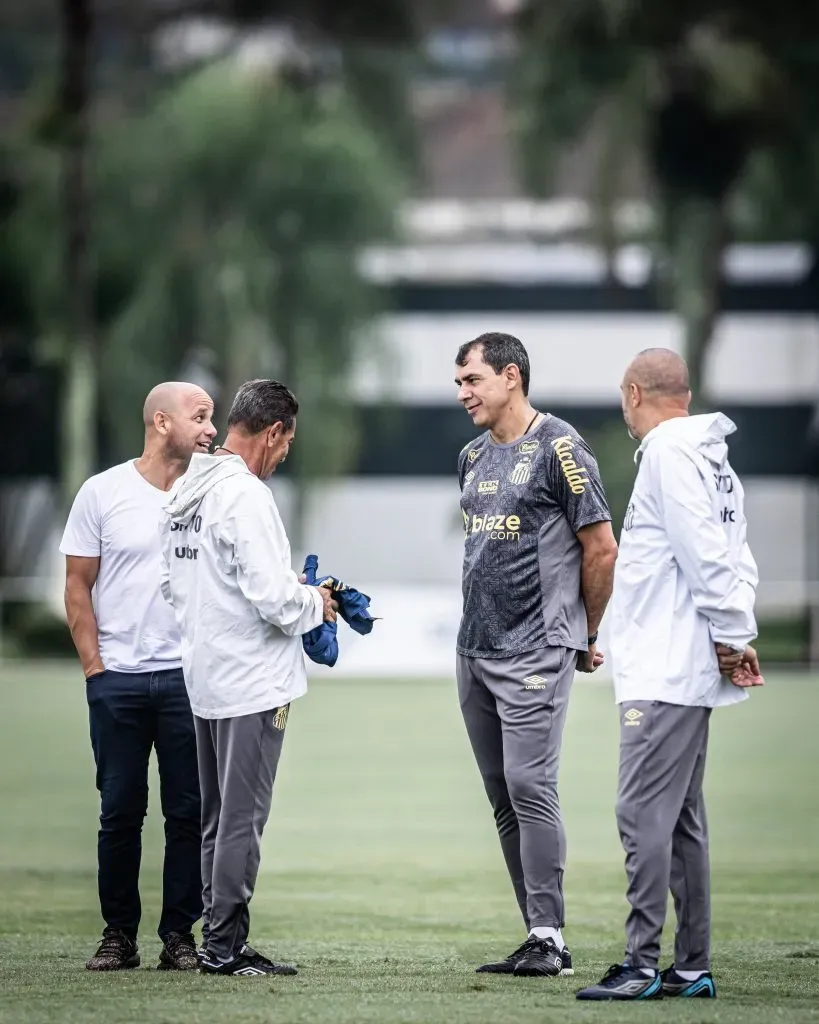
x=381, y=872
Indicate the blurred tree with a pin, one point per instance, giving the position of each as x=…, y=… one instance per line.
x=81, y=399
x=370, y=44
x=231, y=218
x=60, y=129
x=695, y=92
x=74, y=300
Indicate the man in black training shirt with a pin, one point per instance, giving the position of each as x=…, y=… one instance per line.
x=539, y=558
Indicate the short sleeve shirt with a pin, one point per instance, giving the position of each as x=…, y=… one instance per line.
x=115, y=517
x=523, y=504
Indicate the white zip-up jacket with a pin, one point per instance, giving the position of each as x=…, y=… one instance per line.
x=239, y=604
x=685, y=577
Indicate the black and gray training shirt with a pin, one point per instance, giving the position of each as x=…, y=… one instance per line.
x=522, y=505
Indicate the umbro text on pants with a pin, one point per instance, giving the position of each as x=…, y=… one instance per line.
x=238, y=758
x=663, y=828
x=514, y=710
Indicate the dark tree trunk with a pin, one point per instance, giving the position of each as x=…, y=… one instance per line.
x=81, y=391
x=697, y=244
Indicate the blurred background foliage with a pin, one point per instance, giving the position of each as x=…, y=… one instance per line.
x=186, y=186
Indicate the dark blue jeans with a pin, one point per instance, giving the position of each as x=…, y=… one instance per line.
x=129, y=715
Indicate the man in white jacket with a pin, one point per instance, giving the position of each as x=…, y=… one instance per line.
x=682, y=620
x=242, y=611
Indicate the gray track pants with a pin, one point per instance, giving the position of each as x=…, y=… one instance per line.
x=514, y=710
x=662, y=823
x=238, y=758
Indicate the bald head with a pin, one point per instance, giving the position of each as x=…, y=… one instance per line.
x=655, y=388
x=659, y=371
x=169, y=397
x=177, y=418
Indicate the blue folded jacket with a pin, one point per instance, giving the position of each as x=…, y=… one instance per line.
x=321, y=644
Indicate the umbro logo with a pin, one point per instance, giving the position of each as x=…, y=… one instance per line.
x=534, y=683
x=632, y=717
x=247, y=972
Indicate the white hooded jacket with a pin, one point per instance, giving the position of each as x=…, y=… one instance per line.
x=685, y=577
x=239, y=604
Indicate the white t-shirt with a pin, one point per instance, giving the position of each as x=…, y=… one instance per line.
x=115, y=516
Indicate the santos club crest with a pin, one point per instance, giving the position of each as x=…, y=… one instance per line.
x=522, y=471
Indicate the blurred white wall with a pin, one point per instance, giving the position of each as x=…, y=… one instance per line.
x=400, y=538
x=581, y=357
x=407, y=531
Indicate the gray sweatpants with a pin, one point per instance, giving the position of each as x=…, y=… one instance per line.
x=663, y=828
x=514, y=710
x=238, y=758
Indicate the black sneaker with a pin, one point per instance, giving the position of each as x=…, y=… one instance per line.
x=624, y=982
x=248, y=964
x=271, y=966
x=566, y=971
x=179, y=953
x=674, y=985
x=239, y=967
x=508, y=965
x=541, y=958
x=116, y=952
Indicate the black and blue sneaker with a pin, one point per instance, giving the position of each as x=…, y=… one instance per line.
x=701, y=988
x=621, y=982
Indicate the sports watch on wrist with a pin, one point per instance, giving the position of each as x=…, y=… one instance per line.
x=592, y=639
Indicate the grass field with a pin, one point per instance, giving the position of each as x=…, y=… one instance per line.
x=381, y=873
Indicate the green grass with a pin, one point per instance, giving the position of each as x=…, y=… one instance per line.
x=381, y=873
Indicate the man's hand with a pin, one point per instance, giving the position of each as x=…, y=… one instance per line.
x=748, y=673
x=741, y=667
x=330, y=606
x=590, y=660
x=729, y=660
x=93, y=669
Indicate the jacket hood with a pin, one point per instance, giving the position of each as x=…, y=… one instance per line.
x=204, y=472
x=705, y=433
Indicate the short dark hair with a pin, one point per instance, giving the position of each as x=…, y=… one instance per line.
x=498, y=351
x=261, y=403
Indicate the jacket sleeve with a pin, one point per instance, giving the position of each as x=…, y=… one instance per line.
x=716, y=581
x=165, y=545
x=253, y=527
x=164, y=567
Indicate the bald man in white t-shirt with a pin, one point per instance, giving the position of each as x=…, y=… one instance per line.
x=130, y=651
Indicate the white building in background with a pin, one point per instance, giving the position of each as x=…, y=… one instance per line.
x=399, y=537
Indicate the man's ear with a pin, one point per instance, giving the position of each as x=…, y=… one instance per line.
x=512, y=375
x=274, y=433
x=634, y=395
x=162, y=423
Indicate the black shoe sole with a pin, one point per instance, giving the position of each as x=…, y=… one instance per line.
x=618, y=999
x=528, y=972
x=127, y=966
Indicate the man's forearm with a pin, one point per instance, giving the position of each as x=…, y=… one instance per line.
x=596, y=581
x=83, y=626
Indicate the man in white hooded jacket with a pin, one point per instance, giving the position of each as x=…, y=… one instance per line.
x=242, y=611
x=682, y=620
